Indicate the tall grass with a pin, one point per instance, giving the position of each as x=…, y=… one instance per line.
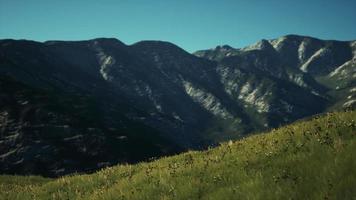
x=314, y=159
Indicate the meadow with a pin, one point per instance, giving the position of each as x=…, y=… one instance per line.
x=309, y=159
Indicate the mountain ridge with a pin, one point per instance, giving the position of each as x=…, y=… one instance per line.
x=102, y=89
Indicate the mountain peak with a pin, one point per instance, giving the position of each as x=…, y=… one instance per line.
x=264, y=44
x=154, y=43
x=106, y=39
x=157, y=46
x=261, y=45
x=223, y=47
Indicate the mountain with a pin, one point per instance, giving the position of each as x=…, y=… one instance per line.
x=310, y=159
x=77, y=106
x=324, y=68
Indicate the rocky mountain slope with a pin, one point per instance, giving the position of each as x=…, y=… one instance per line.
x=78, y=106
x=324, y=68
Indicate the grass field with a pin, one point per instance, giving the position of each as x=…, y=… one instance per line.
x=314, y=159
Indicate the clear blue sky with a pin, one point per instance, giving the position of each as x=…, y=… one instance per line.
x=191, y=24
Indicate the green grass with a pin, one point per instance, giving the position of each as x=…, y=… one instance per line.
x=313, y=159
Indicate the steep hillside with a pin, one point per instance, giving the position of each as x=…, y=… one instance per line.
x=306, y=160
x=53, y=133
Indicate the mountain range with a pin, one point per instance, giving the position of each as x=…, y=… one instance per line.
x=77, y=106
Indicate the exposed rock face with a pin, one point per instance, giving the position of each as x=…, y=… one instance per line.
x=323, y=68
x=80, y=106
x=207, y=101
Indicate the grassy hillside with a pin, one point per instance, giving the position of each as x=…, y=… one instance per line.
x=314, y=159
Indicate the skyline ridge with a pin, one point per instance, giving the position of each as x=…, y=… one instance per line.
x=190, y=24
x=165, y=41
